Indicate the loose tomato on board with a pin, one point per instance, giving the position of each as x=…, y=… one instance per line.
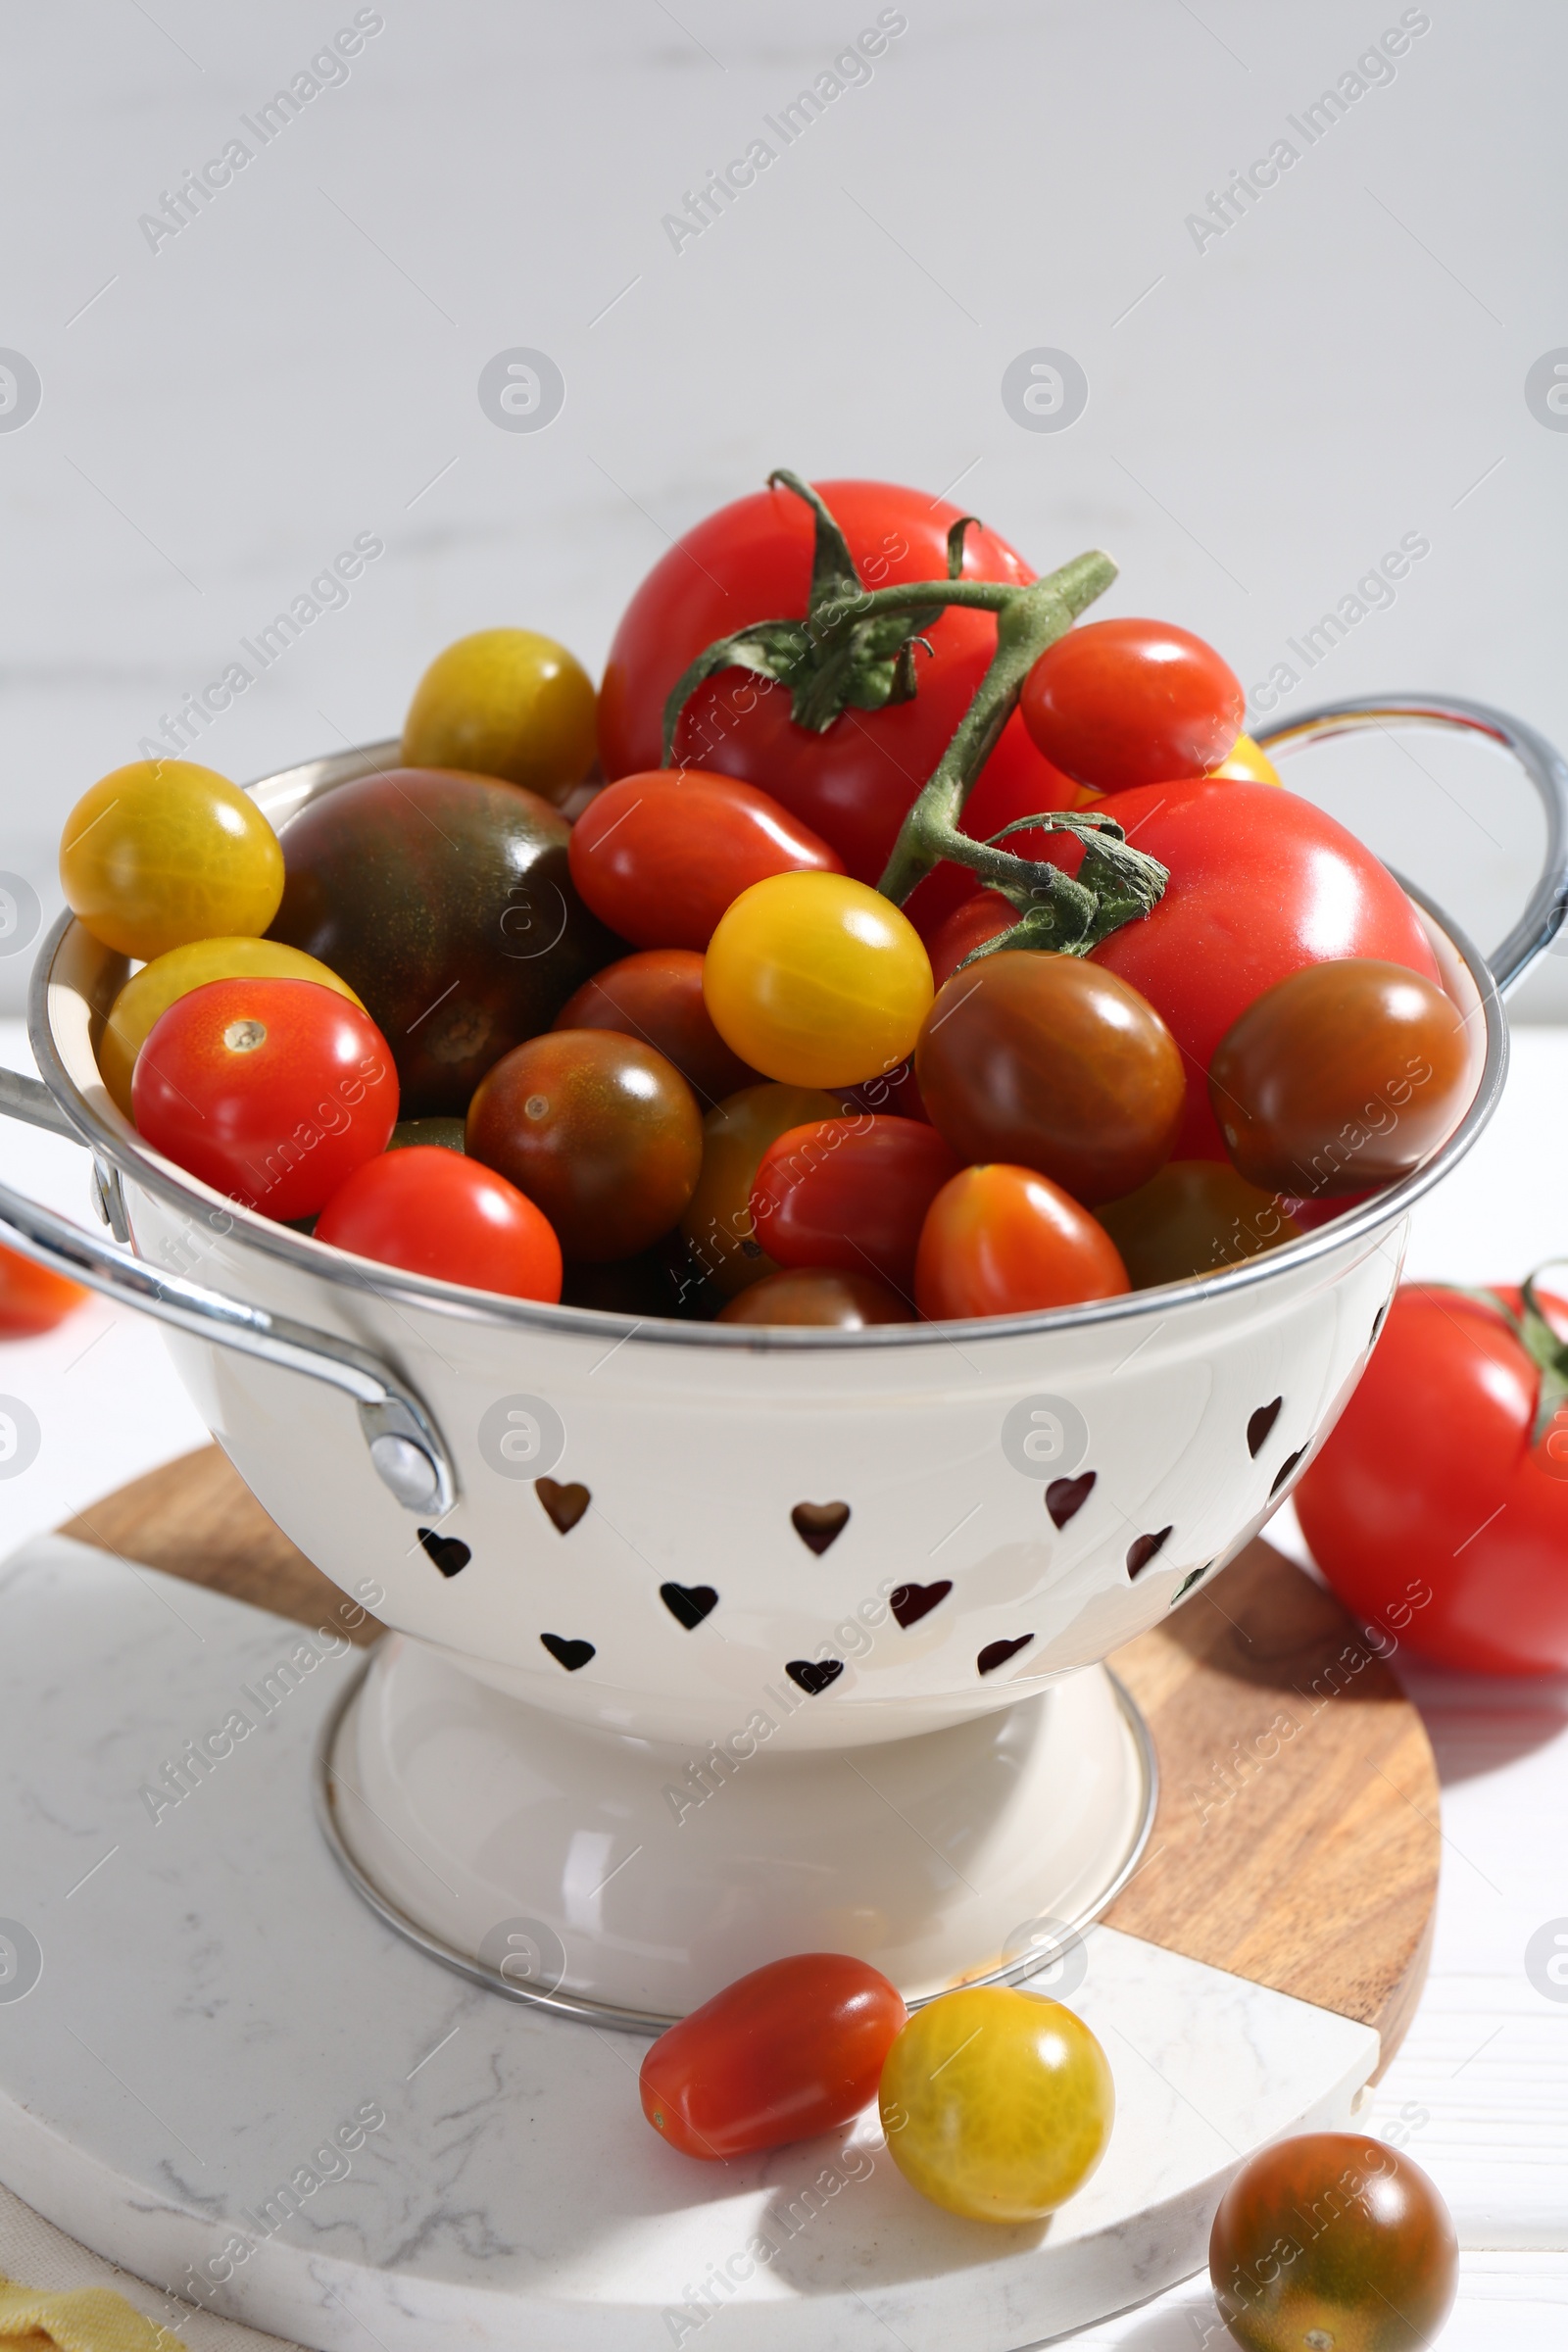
x=816, y=980
x=851, y=1194
x=1000, y=1241
x=438, y=1213
x=659, y=856
x=752, y=561
x=657, y=996
x=1119, y=703
x=271, y=1091
x=33, y=1298
x=1434, y=1509
x=793, y=2049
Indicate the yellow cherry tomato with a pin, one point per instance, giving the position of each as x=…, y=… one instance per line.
x=504, y=703
x=1246, y=763
x=718, y=1223
x=997, y=2103
x=163, y=851
x=816, y=980
x=148, y=994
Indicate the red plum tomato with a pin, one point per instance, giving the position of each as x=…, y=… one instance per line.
x=657, y=996
x=659, y=856
x=1120, y=703
x=1000, y=1241
x=852, y=1194
x=793, y=2049
x=437, y=1213
x=271, y=1091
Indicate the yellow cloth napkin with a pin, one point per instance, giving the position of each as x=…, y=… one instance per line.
x=85, y=2319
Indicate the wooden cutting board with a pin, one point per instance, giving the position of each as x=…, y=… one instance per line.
x=1297, y=1841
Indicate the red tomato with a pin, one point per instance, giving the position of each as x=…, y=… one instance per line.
x=1120, y=703
x=1000, y=1240
x=660, y=855
x=271, y=1091
x=437, y=1213
x=657, y=996
x=851, y=1194
x=1430, y=1511
x=984, y=917
x=1262, y=883
x=32, y=1300
x=752, y=561
x=793, y=2049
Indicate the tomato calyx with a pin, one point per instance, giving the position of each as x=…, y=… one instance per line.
x=1539, y=1342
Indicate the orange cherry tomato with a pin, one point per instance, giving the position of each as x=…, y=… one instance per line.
x=1000, y=1241
x=660, y=854
x=32, y=1298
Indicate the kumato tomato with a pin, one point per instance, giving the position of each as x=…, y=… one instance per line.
x=1343, y=1076
x=1193, y=1218
x=437, y=1213
x=1333, y=2240
x=1000, y=1241
x=816, y=980
x=271, y=1091
x=1432, y=1509
x=597, y=1129
x=1049, y=1063
x=659, y=857
x=752, y=561
x=718, y=1225
x=163, y=851
x=1119, y=703
x=997, y=2103
x=793, y=2049
x=852, y=1194
x=657, y=996
x=149, y=992
x=821, y=1295
x=33, y=1298
x=504, y=703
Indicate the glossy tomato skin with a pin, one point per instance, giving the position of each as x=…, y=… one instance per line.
x=660, y=855
x=1195, y=1216
x=1051, y=1063
x=438, y=1213
x=820, y=1295
x=33, y=1298
x=657, y=996
x=151, y=990
x=1000, y=1241
x=985, y=915
x=162, y=852
x=504, y=703
x=816, y=980
x=1427, y=1508
x=852, y=1194
x=1341, y=1077
x=793, y=2049
x=598, y=1130
x=1262, y=883
x=752, y=561
x=718, y=1225
x=1333, y=2239
x=271, y=1091
x=1120, y=703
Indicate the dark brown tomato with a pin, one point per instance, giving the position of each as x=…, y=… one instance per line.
x=1344, y=1076
x=1046, y=1061
x=1195, y=1216
x=598, y=1130
x=818, y=1295
x=446, y=902
x=657, y=996
x=1334, y=2240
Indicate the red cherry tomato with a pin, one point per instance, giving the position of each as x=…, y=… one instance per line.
x=271, y=1091
x=1430, y=1510
x=752, y=561
x=851, y=1194
x=984, y=917
x=1000, y=1241
x=1261, y=884
x=660, y=855
x=1120, y=703
x=437, y=1213
x=793, y=2049
x=818, y=1295
x=32, y=1300
x=657, y=996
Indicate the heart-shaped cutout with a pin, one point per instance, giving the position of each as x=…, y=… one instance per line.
x=814, y=1674
x=571, y=1654
x=449, y=1553
x=1285, y=1469
x=1142, y=1548
x=566, y=1505
x=1065, y=1497
x=997, y=1653
x=911, y=1602
x=689, y=1605
x=1189, y=1581
x=820, y=1524
x=1261, y=1425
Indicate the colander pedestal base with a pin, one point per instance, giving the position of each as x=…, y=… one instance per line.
x=629, y=1880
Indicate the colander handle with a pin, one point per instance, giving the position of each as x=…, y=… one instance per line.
x=404, y=1441
x=1545, y=768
